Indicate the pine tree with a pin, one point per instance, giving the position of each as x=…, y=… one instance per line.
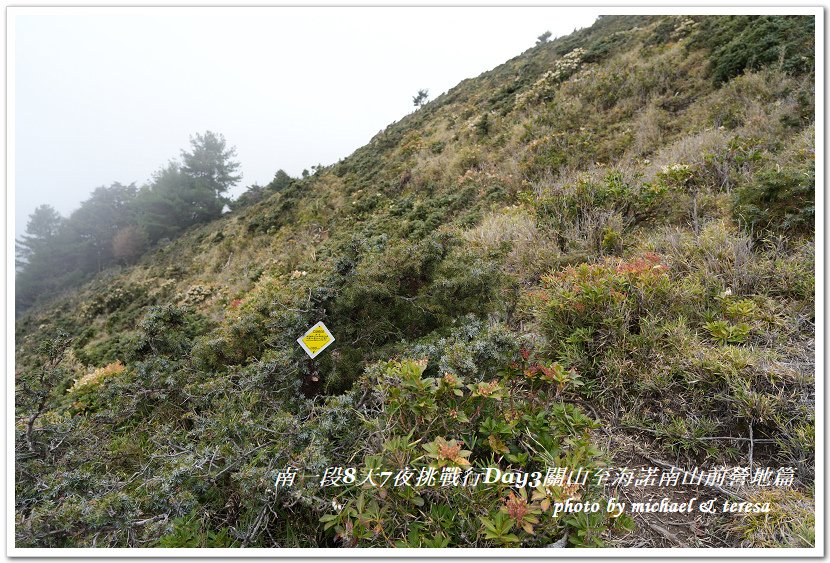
x=420, y=98
x=210, y=161
x=42, y=227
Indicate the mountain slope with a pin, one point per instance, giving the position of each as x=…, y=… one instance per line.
x=618, y=223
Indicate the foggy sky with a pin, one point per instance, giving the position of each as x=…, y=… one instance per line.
x=111, y=95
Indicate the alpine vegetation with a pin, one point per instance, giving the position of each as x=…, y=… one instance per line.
x=572, y=302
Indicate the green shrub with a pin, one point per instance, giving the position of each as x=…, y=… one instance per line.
x=191, y=531
x=740, y=43
x=725, y=333
x=779, y=199
x=580, y=203
x=596, y=307
x=169, y=330
x=512, y=421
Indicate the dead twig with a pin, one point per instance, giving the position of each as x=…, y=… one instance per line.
x=663, y=532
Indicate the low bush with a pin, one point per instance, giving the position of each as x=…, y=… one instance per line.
x=779, y=200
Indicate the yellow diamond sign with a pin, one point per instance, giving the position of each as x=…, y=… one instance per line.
x=316, y=339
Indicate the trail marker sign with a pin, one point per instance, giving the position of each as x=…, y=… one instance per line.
x=316, y=339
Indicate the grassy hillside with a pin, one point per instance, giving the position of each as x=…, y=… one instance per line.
x=599, y=254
